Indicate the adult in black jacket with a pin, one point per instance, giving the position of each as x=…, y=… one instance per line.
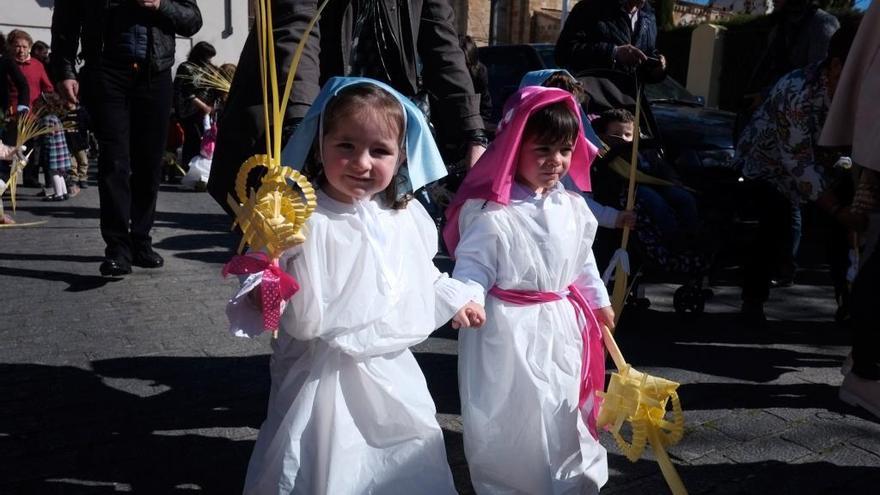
x=125, y=84
x=422, y=29
x=611, y=34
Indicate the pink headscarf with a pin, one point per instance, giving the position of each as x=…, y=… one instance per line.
x=493, y=175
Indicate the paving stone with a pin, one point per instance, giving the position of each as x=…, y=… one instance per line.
x=770, y=448
x=823, y=435
x=749, y=424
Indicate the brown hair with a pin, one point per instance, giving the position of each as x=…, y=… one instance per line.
x=15, y=34
x=622, y=115
x=50, y=103
x=564, y=81
x=554, y=123
x=352, y=100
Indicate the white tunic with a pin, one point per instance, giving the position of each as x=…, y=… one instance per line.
x=519, y=375
x=349, y=410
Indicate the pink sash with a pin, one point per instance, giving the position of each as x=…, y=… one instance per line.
x=593, y=361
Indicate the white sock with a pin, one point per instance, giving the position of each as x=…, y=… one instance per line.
x=59, y=185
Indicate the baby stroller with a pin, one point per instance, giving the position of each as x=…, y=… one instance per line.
x=653, y=254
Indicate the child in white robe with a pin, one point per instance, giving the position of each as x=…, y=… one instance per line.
x=349, y=410
x=528, y=378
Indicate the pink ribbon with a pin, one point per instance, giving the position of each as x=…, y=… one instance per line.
x=593, y=359
x=277, y=285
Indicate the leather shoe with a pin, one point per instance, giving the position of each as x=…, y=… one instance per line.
x=113, y=267
x=147, y=258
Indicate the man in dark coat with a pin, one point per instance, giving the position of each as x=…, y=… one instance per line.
x=128, y=50
x=393, y=38
x=611, y=34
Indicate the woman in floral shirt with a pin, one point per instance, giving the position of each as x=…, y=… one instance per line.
x=779, y=158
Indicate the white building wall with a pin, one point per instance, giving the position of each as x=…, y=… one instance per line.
x=35, y=17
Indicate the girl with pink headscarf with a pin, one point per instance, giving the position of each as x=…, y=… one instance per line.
x=528, y=379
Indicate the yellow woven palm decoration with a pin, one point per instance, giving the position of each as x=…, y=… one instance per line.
x=272, y=216
x=641, y=400
x=27, y=128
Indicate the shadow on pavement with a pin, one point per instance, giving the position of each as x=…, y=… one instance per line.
x=69, y=430
x=50, y=257
x=212, y=222
x=754, y=478
x=75, y=282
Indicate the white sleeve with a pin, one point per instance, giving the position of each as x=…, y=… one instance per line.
x=606, y=215
x=449, y=294
x=477, y=251
x=590, y=284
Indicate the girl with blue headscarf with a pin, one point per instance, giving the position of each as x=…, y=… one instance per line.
x=349, y=410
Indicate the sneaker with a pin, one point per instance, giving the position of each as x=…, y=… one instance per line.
x=82, y=184
x=857, y=391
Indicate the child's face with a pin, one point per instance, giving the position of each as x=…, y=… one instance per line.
x=361, y=154
x=617, y=132
x=541, y=166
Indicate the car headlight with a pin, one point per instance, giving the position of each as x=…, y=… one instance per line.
x=715, y=158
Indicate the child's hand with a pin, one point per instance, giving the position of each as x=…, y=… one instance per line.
x=605, y=316
x=626, y=218
x=470, y=315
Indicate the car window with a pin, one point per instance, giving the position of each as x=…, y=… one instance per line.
x=546, y=52
x=671, y=90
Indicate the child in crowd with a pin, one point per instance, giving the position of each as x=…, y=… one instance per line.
x=528, y=379
x=349, y=409
x=668, y=217
x=608, y=216
x=76, y=132
x=53, y=146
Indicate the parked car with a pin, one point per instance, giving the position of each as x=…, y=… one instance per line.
x=692, y=135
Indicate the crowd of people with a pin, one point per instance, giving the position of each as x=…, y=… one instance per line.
x=378, y=111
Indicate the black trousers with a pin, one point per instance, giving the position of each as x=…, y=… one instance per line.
x=772, y=246
x=130, y=108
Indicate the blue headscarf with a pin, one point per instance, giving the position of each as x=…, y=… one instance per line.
x=423, y=162
x=538, y=77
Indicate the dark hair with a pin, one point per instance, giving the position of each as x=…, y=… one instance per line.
x=564, y=81
x=554, y=123
x=39, y=45
x=470, y=54
x=842, y=40
x=201, y=53
x=351, y=101
x=622, y=115
x=2, y=44
x=51, y=103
